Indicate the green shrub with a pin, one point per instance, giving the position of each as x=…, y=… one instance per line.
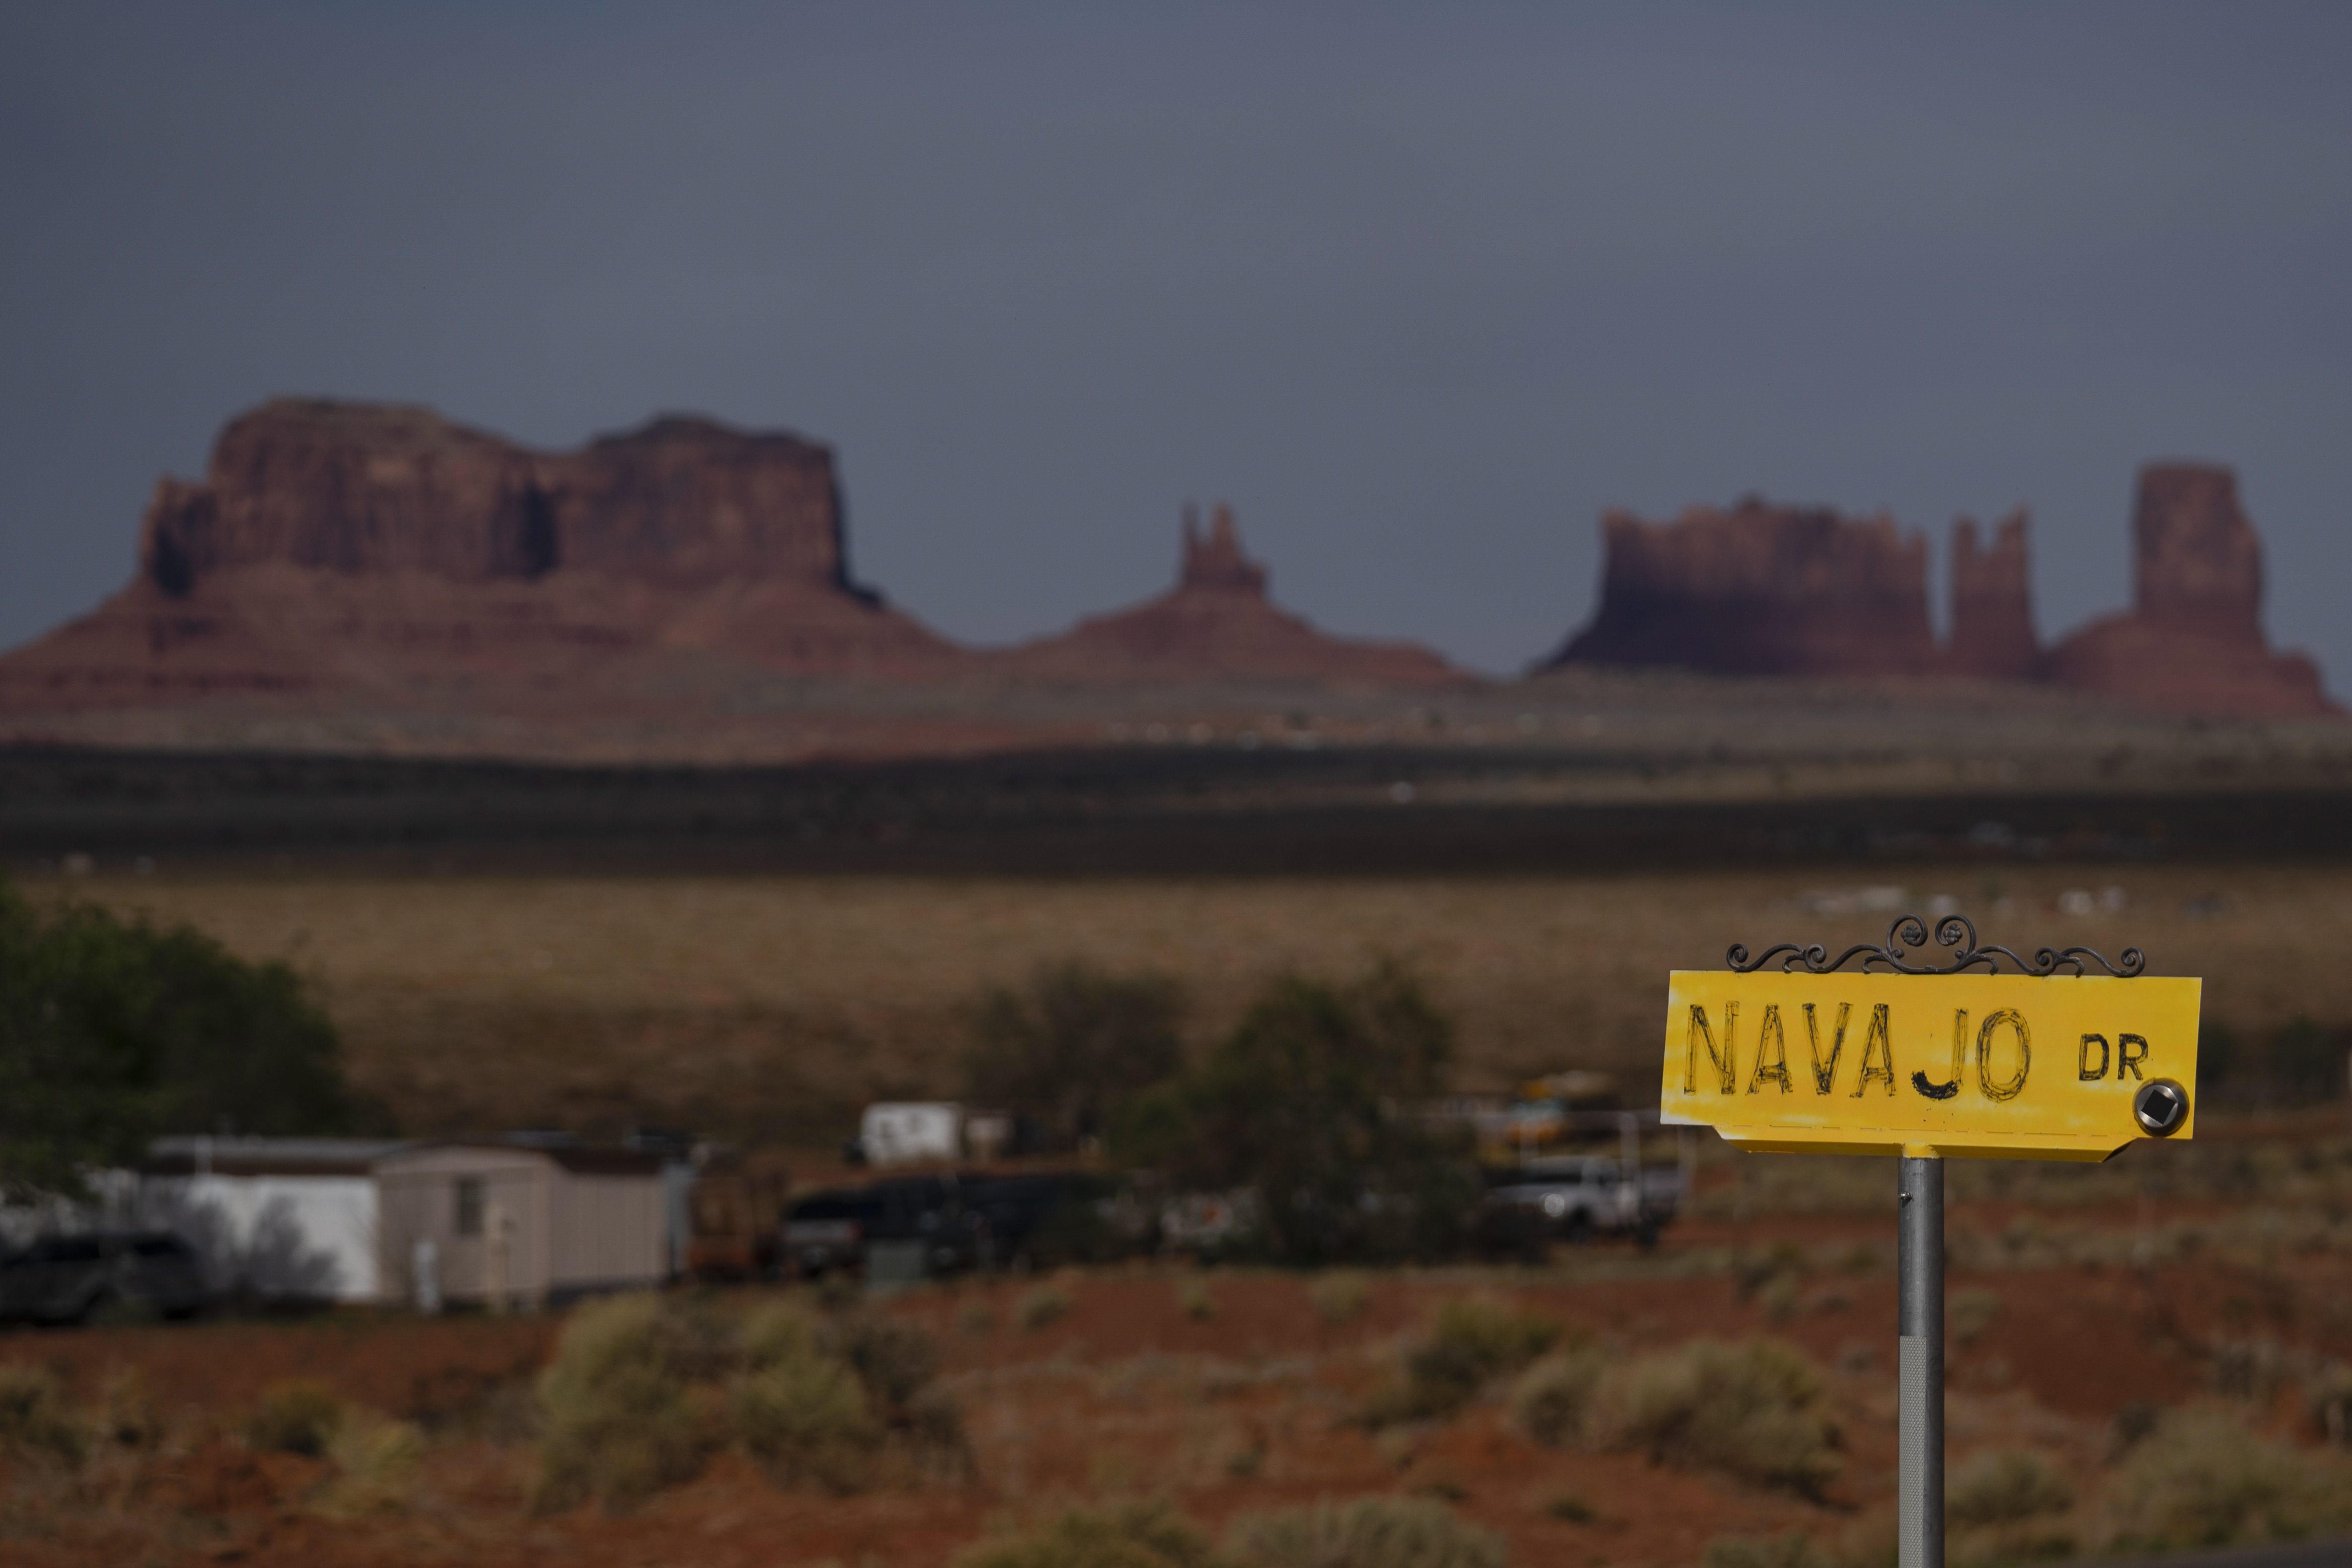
x=1340, y=1295
x=1040, y=1305
x=1472, y=1342
x=296, y=1415
x=375, y=1464
x=112, y=1029
x=1139, y=1535
x=834, y=1404
x=806, y=1417
x=2006, y=1487
x=1550, y=1398
x=124, y=1413
x=1750, y=1410
x=2203, y=1478
x=1371, y=1533
x=33, y=1420
x=1303, y=1102
x=619, y=1424
x=895, y=1361
x=1790, y=1551
x=1072, y=1044
x=778, y=1331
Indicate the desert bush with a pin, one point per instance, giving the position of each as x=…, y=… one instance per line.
x=619, y=1422
x=1340, y=1295
x=895, y=1360
x=2204, y=1477
x=806, y=1417
x=1194, y=1300
x=1472, y=1342
x=1550, y=1398
x=778, y=1331
x=834, y=1403
x=124, y=1413
x=1371, y=1533
x=1750, y=1410
x=2005, y=1488
x=295, y=1415
x=375, y=1461
x=1138, y=1535
x=35, y=1422
x=1790, y=1551
x=1040, y=1305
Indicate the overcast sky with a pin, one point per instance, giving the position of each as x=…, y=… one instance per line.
x=1420, y=294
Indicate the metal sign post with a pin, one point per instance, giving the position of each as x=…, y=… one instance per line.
x=1919, y=1361
x=1785, y=1053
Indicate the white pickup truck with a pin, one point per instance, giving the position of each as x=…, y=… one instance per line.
x=1574, y=1197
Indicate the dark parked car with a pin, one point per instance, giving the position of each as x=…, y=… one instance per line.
x=69, y=1279
x=971, y=1221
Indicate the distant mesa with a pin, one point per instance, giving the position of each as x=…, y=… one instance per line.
x=2192, y=642
x=1800, y=592
x=1761, y=590
x=337, y=544
x=1217, y=623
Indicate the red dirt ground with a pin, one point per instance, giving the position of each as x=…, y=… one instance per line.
x=1128, y=1394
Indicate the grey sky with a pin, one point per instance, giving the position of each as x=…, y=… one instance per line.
x=1420, y=293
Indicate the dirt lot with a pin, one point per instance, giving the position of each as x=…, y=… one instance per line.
x=767, y=1007
x=2084, y=1302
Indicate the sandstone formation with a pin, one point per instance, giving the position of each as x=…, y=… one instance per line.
x=334, y=545
x=2192, y=642
x=1761, y=590
x=1216, y=624
x=1764, y=590
x=1993, y=610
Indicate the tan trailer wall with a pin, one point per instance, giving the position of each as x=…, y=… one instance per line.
x=608, y=1230
x=417, y=1199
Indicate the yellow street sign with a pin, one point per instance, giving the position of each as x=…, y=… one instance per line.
x=2034, y=1067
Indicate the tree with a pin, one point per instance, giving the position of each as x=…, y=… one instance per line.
x=1072, y=1043
x=112, y=1030
x=1309, y=1102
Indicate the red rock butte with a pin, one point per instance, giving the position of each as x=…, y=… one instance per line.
x=1765, y=590
x=1217, y=623
x=2192, y=642
x=1761, y=590
x=335, y=545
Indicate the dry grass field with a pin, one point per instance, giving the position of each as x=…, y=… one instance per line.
x=768, y=1008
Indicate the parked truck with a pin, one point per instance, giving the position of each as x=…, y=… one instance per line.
x=1574, y=1198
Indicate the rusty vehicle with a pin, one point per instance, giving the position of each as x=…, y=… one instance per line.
x=735, y=1219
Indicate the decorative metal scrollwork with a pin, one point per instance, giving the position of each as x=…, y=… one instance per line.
x=1910, y=931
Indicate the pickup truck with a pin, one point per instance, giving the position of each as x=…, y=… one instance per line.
x=1574, y=1198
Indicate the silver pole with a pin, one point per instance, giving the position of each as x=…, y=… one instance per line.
x=1919, y=1361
